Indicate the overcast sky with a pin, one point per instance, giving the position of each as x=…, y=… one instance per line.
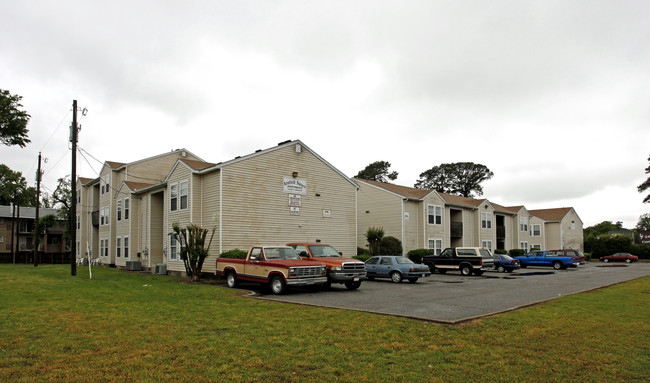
x=552, y=96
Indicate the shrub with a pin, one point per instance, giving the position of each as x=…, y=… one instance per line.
x=362, y=251
x=641, y=250
x=587, y=256
x=417, y=254
x=374, y=236
x=516, y=252
x=234, y=253
x=500, y=251
x=390, y=246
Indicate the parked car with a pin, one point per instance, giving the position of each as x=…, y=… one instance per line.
x=467, y=260
x=395, y=267
x=504, y=263
x=555, y=258
x=620, y=257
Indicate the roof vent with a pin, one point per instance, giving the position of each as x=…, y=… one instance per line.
x=283, y=142
x=258, y=150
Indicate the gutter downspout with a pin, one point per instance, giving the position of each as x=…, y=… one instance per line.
x=220, y=210
x=403, y=224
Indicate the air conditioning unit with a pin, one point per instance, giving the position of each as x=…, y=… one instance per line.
x=133, y=265
x=161, y=269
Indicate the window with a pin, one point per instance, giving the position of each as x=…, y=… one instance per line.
x=523, y=223
x=524, y=245
x=435, y=245
x=435, y=214
x=78, y=249
x=119, y=210
x=487, y=245
x=386, y=261
x=183, y=194
x=104, y=182
x=486, y=220
x=103, y=216
x=127, y=204
x=536, y=230
x=173, y=197
x=78, y=196
x=173, y=247
x=373, y=261
x=573, y=225
x=535, y=247
x=118, y=247
x=126, y=247
x=78, y=222
x=2, y=239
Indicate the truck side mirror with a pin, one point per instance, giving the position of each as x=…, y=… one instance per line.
x=303, y=253
x=340, y=253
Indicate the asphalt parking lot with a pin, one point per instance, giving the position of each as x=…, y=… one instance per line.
x=452, y=298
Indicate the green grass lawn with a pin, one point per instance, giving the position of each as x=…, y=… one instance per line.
x=123, y=326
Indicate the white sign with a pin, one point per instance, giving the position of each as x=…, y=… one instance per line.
x=327, y=213
x=294, y=211
x=295, y=185
x=295, y=200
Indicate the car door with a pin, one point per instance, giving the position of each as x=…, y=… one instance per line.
x=371, y=266
x=385, y=266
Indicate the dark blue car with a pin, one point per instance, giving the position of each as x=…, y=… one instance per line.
x=504, y=263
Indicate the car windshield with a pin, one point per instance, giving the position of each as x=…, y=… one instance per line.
x=403, y=260
x=280, y=253
x=323, y=251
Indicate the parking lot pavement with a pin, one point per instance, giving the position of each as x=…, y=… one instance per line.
x=452, y=298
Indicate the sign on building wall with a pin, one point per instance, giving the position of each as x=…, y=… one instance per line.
x=294, y=211
x=295, y=185
x=295, y=200
x=327, y=213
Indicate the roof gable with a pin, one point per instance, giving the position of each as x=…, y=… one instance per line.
x=551, y=215
x=404, y=191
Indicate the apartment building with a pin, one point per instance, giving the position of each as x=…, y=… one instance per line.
x=17, y=236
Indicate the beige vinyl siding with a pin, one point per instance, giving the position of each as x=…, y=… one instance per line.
x=553, y=235
x=154, y=170
x=378, y=208
x=256, y=209
x=434, y=231
x=122, y=229
x=412, y=233
x=572, y=231
x=209, y=187
x=541, y=239
x=183, y=217
x=156, y=235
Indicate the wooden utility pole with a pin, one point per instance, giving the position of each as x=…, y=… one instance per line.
x=73, y=192
x=37, y=233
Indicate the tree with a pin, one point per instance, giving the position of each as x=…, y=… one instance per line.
x=645, y=185
x=644, y=222
x=459, y=178
x=13, y=122
x=62, y=199
x=374, y=236
x=390, y=246
x=14, y=189
x=193, y=250
x=377, y=171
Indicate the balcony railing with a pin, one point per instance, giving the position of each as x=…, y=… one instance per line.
x=95, y=217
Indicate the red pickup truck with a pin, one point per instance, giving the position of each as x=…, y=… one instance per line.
x=348, y=271
x=277, y=266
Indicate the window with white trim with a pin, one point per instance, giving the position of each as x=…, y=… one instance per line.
x=434, y=214
x=536, y=230
x=435, y=245
x=127, y=205
x=78, y=249
x=2, y=239
x=535, y=247
x=183, y=193
x=173, y=247
x=118, y=247
x=126, y=247
x=78, y=196
x=119, y=210
x=104, y=182
x=173, y=197
x=523, y=223
x=101, y=217
x=78, y=221
x=487, y=245
x=524, y=245
x=486, y=220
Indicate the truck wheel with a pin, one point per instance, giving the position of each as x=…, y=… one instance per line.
x=465, y=270
x=557, y=265
x=432, y=268
x=231, y=279
x=352, y=285
x=278, y=287
x=396, y=277
x=501, y=269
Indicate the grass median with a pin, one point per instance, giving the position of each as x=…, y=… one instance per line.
x=123, y=326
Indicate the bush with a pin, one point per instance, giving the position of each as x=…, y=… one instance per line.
x=374, y=236
x=362, y=251
x=390, y=246
x=500, y=251
x=234, y=253
x=362, y=257
x=587, y=256
x=641, y=250
x=516, y=252
x=417, y=254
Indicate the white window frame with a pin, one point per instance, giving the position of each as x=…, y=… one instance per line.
x=183, y=195
x=173, y=197
x=118, y=247
x=535, y=247
x=78, y=221
x=78, y=196
x=434, y=211
x=524, y=245
x=2, y=239
x=119, y=210
x=486, y=220
x=127, y=207
x=173, y=248
x=539, y=230
x=125, y=243
x=435, y=244
x=78, y=249
x=523, y=224
x=487, y=244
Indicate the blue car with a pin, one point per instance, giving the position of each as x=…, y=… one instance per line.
x=395, y=267
x=504, y=263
